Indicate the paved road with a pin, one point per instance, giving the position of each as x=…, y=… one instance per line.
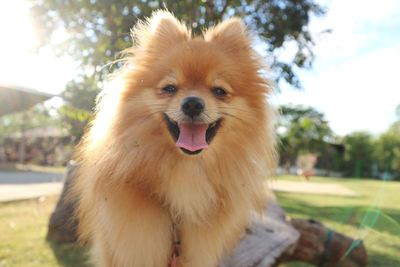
x=26, y=185
x=29, y=177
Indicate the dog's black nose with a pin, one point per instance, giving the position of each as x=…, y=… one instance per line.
x=192, y=106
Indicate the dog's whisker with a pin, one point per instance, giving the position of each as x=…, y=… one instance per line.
x=233, y=116
x=242, y=111
x=148, y=115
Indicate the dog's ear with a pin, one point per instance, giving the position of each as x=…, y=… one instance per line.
x=159, y=33
x=231, y=34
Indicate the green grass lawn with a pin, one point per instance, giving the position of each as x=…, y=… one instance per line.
x=374, y=216
x=23, y=228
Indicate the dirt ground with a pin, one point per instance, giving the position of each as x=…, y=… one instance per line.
x=309, y=188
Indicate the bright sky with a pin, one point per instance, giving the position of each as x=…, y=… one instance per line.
x=353, y=80
x=19, y=62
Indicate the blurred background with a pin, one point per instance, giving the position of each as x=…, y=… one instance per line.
x=334, y=67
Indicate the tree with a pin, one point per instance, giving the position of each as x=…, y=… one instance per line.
x=374, y=157
x=96, y=31
x=387, y=151
x=359, y=154
x=36, y=117
x=80, y=100
x=302, y=130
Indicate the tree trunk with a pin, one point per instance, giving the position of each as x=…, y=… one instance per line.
x=62, y=226
x=322, y=246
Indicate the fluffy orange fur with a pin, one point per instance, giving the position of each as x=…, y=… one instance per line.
x=134, y=184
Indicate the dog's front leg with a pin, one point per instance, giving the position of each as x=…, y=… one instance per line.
x=204, y=245
x=133, y=231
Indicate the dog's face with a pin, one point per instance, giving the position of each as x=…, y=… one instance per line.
x=194, y=110
x=197, y=95
x=200, y=87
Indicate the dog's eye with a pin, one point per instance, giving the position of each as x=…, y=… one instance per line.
x=169, y=89
x=218, y=91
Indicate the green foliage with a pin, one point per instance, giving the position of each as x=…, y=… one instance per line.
x=302, y=130
x=378, y=157
x=80, y=100
x=36, y=117
x=94, y=32
x=359, y=151
x=387, y=151
x=97, y=30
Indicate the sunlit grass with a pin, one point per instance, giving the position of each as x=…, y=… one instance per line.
x=23, y=228
x=373, y=216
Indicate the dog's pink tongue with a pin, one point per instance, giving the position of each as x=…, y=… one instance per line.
x=192, y=136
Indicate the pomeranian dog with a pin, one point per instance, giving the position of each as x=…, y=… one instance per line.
x=173, y=164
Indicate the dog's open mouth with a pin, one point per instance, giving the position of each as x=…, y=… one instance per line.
x=192, y=138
